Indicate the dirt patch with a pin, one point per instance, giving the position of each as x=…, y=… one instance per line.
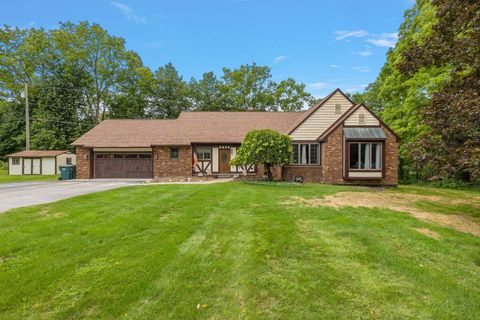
x=46, y=213
x=428, y=233
x=397, y=202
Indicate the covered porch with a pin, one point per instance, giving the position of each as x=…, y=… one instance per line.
x=214, y=159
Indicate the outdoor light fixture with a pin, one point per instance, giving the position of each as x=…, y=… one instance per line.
x=156, y=156
x=85, y=156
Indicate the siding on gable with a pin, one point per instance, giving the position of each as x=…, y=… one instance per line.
x=321, y=119
x=370, y=120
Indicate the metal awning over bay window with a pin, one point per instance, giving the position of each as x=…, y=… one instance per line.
x=364, y=134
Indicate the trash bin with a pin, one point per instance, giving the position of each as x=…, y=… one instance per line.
x=67, y=172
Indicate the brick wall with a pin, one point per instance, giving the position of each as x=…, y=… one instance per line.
x=332, y=157
x=308, y=173
x=84, y=166
x=276, y=172
x=164, y=167
x=332, y=161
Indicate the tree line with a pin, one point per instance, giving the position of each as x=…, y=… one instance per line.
x=428, y=91
x=79, y=75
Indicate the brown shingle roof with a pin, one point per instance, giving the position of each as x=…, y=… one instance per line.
x=232, y=126
x=131, y=133
x=38, y=153
x=199, y=127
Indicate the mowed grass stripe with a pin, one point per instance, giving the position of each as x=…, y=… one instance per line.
x=237, y=250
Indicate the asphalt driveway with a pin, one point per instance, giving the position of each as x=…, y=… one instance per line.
x=21, y=194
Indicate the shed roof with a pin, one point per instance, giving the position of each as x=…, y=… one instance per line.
x=38, y=153
x=364, y=133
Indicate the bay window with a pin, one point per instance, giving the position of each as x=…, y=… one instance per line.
x=365, y=156
x=306, y=153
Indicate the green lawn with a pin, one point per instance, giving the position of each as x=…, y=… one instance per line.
x=233, y=251
x=6, y=178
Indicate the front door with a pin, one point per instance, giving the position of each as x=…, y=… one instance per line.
x=27, y=166
x=224, y=163
x=36, y=166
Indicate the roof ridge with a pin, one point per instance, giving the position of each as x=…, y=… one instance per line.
x=241, y=111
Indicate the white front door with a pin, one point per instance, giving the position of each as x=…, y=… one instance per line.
x=27, y=166
x=36, y=166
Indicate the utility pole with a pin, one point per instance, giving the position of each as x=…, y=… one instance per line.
x=27, y=120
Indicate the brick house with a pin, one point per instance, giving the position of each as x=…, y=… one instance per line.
x=335, y=141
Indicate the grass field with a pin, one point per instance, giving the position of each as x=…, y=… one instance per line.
x=5, y=178
x=239, y=250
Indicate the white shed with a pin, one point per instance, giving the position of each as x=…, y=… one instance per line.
x=44, y=162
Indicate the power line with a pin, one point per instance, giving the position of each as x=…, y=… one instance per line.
x=50, y=120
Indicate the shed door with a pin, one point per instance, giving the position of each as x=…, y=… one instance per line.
x=36, y=166
x=27, y=166
x=127, y=166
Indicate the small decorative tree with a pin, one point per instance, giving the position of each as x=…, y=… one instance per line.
x=266, y=147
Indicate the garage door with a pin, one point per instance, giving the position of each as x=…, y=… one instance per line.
x=118, y=165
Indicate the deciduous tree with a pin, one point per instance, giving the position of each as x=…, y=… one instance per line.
x=264, y=147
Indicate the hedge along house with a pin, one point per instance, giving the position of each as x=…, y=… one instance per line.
x=335, y=141
x=39, y=162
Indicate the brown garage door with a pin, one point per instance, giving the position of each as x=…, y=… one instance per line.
x=120, y=165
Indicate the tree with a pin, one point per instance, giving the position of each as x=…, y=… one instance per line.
x=170, y=93
x=206, y=93
x=451, y=147
x=135, y=83
x=101, y=56
x=55, y=119
x=248, y=88
x=291, y=96
x=264, y=147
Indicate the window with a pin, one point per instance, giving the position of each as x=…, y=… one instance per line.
x=361, y=118
x=203, y=153
x=173, y=153
x=145, y=156
x=130, y=156
x=306, y=153
x=16, y=161
x=68, y=161
x=365, y=156
x=338, y=109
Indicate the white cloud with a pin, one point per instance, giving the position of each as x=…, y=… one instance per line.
x=356, y=88
x=361, y=69
x=129, y=13
x=335, y=66
x=318, y=85
x=365, y=53
x=386, y=40
x=280, y=59
x=340, y=35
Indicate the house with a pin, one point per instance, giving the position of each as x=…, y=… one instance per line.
x=335, y=141
x=44, y=162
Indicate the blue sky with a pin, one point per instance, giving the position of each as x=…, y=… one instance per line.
x=324, y=44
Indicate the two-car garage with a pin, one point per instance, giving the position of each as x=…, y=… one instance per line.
x=124, y=165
